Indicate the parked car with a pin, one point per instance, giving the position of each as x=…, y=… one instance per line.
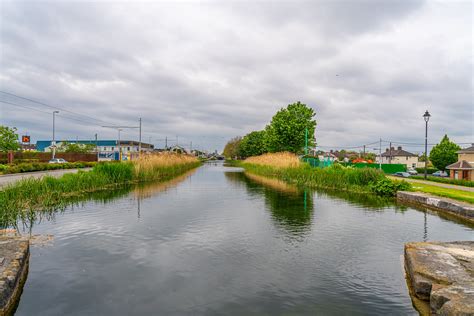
x=57, y=160
x=412, y=171
x=402, y=174
x=442, y=174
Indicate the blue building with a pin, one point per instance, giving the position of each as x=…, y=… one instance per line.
x=108, y=149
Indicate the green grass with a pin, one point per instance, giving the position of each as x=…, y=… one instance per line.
x=459, y=195
x=28, y=195
x=42, y=166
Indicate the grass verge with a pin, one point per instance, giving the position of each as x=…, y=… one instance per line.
x=454, y=194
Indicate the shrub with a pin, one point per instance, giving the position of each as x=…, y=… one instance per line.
x=387, y=187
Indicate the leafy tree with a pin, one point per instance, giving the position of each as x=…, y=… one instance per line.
x=232, y=148
x=253, y=144
x=444, y=153
x=8, y=138
x=76, y=148
x=286, y=132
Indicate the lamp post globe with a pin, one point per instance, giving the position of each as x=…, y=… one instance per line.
x=426, y=117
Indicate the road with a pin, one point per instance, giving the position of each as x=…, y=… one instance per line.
x=11, y=178
x=437, y=184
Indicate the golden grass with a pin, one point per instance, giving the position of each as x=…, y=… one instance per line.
x=277, y=160
x=162, y=160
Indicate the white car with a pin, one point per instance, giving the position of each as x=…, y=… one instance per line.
x=57, y=160
x=412, y=171
x=442, y=174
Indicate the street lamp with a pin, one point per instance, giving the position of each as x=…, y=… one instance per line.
x=53, y=143
x=426, y=116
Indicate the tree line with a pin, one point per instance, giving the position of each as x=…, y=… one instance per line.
x=285, y=132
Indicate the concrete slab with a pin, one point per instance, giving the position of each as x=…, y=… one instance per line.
x=15, y=252
x=442, y=274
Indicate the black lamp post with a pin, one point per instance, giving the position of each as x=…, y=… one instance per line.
x=426, y=116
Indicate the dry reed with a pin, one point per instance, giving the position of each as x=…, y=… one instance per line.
x=276, y=160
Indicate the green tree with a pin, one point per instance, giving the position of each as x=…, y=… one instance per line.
x=232, y=148
x=253, y=144
x=444, y=153
x=76, y=148
x=8, y=138
x=286, y=132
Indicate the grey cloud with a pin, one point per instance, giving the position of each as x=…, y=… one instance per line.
x=211, y=71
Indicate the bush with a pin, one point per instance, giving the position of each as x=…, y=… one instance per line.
x=42, y=166
x=429, y=170
x=465, y=183
x=387, y=187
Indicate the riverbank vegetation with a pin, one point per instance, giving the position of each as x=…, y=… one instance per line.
x=454, y=194
x=49, y=192
x=43, y=166
x=287, y=167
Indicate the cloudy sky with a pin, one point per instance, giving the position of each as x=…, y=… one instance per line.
x=208, y=71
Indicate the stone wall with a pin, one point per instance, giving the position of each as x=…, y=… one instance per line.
x=458, y=209
x=14, y=259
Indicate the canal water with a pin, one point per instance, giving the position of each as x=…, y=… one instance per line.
x=220, y=242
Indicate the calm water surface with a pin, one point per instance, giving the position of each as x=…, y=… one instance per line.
x=220, y=242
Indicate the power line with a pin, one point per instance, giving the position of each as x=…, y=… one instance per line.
x=53, y=107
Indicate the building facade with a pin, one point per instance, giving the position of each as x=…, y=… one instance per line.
x=107, y=149
x=398, y=156
x=463, y=169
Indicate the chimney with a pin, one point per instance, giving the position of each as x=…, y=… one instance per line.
x=386, y=149
x=399, y=148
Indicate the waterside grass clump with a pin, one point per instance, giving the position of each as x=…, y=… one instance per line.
x=31, y=194
x=287, y=167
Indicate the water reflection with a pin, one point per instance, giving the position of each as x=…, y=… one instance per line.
x=24, y=221
x=290, y=206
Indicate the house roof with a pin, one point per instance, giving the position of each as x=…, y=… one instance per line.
x=460, y=165
x=468, y=150
x=398, y=153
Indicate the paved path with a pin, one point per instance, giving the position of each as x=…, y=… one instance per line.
x=437, y=184
x=11, y=178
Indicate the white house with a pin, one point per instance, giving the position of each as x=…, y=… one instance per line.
x=399, y=156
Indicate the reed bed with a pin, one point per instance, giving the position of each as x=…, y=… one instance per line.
x=284, y=167
x=275, y=160
x=20, y=199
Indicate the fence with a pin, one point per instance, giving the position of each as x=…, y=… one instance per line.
x=386, y=168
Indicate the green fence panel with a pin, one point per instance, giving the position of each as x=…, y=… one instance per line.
x=386, y=168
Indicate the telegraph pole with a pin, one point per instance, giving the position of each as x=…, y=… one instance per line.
x=380, y=154
x=390, y=156
x=191, y=147
x=53, y=143
x=96, y=148
x=140, y=139
x=166, y=142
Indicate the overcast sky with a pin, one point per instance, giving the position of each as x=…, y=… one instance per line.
x=208, y=71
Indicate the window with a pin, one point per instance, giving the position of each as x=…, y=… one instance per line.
x=105, y=148
x=407, y=157
x=128, y=148
x=112, y=149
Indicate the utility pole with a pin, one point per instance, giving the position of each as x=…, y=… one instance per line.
x=380, y=154
x=53, y=143
x=390, y=154
x=119, y=129
x=166, y=142
x=364, y=151
x=191, y=147
x=96, y=148
x=140, y=139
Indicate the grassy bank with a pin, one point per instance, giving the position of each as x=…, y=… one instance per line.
x=454, y=194
x=287, y=167
x=49, y=192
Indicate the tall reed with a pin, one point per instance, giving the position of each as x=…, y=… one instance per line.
x=31, y=194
